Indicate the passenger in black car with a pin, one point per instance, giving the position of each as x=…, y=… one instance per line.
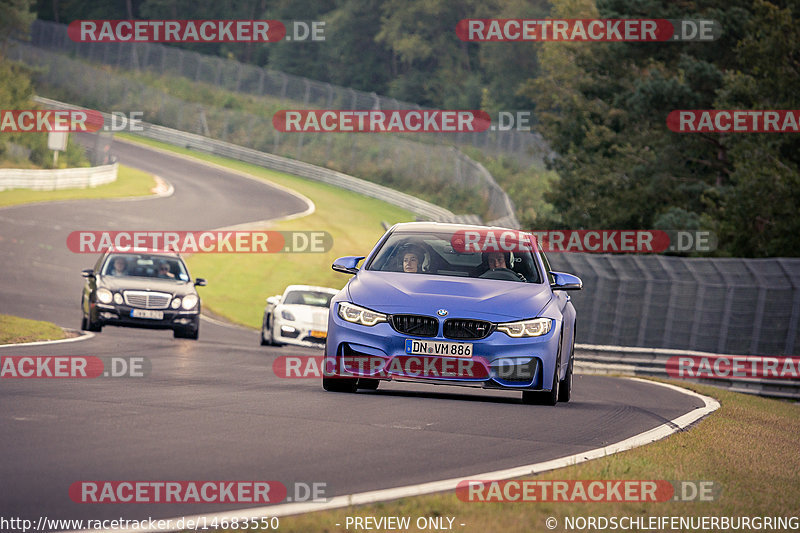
x=163, y=271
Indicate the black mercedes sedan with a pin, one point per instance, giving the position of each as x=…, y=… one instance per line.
x=142, y=290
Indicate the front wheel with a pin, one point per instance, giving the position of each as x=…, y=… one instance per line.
x=551, y=397
x=368, y=384
x=340, y=384
x=191, y=332
x=86, y=321
x=535, y=397
x=565, y=387
x=272, y=334
x=266, y=338
x=95, y=327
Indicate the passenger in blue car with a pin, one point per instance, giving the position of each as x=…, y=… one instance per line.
x=413, y=257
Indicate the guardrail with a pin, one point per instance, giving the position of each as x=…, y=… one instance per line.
x=594, y=359
x=283, y=164
x=59, y=178
x=412, y=162
x=589, y=358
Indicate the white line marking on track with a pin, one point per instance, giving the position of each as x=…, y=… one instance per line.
x=338, y=502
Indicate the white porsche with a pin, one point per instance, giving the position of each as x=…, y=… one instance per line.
x=299, y=316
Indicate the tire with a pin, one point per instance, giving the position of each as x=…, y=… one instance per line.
x=551, y=397
x=544, y=397
x=183, y=333
x=86, y=322
x=565, y=387
x=93, y=326
x=368, y=384
x=191, y=332
x=272, y=336
x=264, y=341
x=340, y=384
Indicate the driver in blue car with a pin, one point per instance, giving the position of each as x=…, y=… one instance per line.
x=497, y=260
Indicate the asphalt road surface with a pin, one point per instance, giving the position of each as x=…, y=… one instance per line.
x=214, y=410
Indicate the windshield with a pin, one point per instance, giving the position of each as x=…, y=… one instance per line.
x=433, y=253
x=145, y=266
x=313, y=298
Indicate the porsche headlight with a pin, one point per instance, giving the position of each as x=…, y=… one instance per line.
x=527, y=328
x=104, y=296
x=189, y=302
x=360, y=315
x=286, y=315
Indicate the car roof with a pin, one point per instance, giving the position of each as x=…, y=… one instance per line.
x=164, y=253
x=445, y=226
x=310, y=288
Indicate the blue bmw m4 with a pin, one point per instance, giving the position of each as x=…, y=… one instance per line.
x=453, y=304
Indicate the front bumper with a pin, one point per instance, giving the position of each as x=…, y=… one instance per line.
x=120, y=315
x=498, y=361
x=299, y=333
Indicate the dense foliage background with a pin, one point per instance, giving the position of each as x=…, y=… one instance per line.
x=602, y=106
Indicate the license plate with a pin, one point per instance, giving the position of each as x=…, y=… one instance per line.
x=147, y=313
x=319, y=334
x=450, y=349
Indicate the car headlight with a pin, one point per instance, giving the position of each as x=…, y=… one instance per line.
x=360, y=315
x=287, y=316
x=527, y=328
x=176, y=303
x=104, y=296
x=117, y=298
x=189, y=302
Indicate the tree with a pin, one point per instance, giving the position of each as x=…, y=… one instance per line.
x=603, y=107
x=15, y=20
x=757, y=212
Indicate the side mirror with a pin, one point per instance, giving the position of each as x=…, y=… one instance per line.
x=347, y=265
x=200, y=282
x=87, y=273
x=566, y=282
x=274, y=300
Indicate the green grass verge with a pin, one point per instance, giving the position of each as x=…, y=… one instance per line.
x=748, y=446
x=239, y=283
x=14, y=329
x=129, y=182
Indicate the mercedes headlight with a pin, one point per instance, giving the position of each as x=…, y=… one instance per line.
x=176, y=303
x=104, y=296
x=189, y=302
x=360, y=315
x=118, y=298
x=527, y=328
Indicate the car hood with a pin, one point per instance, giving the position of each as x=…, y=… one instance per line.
x=132, y=283
x=493, y=300
x=309, y=314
